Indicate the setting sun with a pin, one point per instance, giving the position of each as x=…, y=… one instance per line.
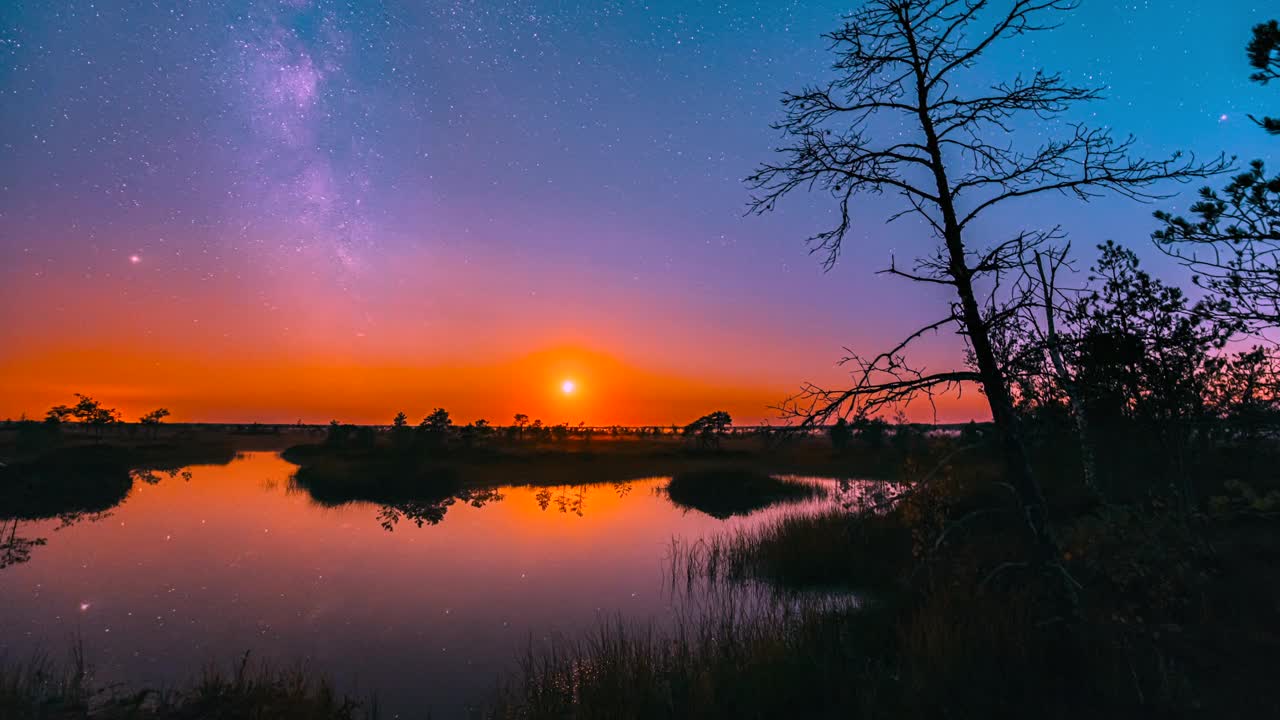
x=567, y=387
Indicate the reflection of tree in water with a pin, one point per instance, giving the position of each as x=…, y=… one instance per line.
x=15, y=549
x=152, y=477
x=431, y=512
x=72, y=487
x=572, y=498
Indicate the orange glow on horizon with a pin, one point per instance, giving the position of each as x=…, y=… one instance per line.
x=548, y=385
x=217, y=351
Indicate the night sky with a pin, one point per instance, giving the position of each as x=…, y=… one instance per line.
x=306, y=209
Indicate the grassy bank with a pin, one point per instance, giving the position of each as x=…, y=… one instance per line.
x=366, y=458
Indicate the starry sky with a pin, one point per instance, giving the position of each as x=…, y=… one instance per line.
x=305, y=209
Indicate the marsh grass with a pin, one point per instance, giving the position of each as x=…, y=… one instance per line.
x=41, y=689
x=732, y=655
x=831, y=548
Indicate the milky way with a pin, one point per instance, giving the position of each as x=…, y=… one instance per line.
x=421, y=185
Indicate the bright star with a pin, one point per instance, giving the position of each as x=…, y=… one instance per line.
x=134, y=259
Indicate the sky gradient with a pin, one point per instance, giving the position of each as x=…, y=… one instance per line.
x=309, y=210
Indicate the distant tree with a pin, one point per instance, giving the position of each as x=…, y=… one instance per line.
x=86, y=411
x=970, y=434
x=336, y=437
x=907, y=437
x=153, y=419
x=841, y=434
x=521, y=420
x=560, y=432
x=58, y=414
x=903, y=115
x=401, y=434
x=709, y=429
x=436, y=427
x=91, y=412
x=872, y=431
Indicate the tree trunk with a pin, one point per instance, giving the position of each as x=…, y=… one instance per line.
x=1017, y=465
x=1088, y=458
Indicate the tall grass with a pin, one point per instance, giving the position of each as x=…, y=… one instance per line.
x=737, y=657
x=831, y=548
x=41, y=689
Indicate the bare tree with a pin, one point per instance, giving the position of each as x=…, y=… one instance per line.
x=899, y=118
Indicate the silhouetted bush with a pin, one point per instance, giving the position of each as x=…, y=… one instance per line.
x=724, y=493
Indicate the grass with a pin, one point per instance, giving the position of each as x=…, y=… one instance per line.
x=828, y=549
x=949, y=658
x=731, y=662
x=44, y=690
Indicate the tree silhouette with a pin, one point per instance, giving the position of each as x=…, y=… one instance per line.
x=1264, y=57
x=1233, y=240
x=436, y=428
x=58, y=414
x=709, y=429
x=153, y=419
x=401, y=434
x=901, y=118
x=841, y=434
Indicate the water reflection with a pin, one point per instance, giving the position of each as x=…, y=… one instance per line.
x=79, y=487
x=572, y=499
x=428, y=512
x=202, y=565
x=13, y=548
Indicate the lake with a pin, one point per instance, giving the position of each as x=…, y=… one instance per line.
x=213, y=561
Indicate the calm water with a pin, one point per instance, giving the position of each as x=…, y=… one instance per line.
x=220, y=560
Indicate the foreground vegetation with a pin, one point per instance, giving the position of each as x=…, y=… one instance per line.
x=1176, y=616
x=44, y=690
